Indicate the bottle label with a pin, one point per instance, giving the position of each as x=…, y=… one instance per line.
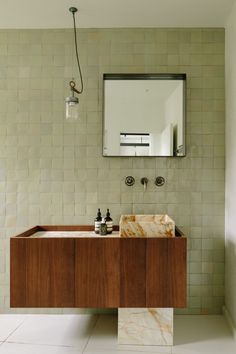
x=97, y=225
x=109, y=226
x=103, y=229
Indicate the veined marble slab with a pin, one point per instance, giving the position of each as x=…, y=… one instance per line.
x=147, y=226
x=145, y=326
x=53, y=234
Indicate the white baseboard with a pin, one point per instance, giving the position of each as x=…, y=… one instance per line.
x=229, y=321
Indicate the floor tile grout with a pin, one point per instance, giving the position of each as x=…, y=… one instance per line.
x=42, y=345
x=48, y=345
x=199, y=334
x=90, y=335
x=15, y=330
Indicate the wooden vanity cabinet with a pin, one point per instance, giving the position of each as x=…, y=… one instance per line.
x=107, y=272
x=42, y=272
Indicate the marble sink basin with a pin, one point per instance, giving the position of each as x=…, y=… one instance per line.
x=146, y=226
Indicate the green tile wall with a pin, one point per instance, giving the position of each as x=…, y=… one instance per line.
x=52, y=172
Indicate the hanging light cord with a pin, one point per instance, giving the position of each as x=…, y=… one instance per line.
x=77, y=56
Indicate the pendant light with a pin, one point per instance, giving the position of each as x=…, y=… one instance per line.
x=72, y=101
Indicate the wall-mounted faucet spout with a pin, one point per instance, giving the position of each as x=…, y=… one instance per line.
x=144, y=181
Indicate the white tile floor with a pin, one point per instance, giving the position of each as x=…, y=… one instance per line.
x=76, y=334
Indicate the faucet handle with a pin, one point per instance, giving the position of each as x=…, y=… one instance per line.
x=159, y=181
x=129, y=181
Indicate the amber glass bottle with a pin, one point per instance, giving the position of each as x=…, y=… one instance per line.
x=109, y=222
x=97, y=222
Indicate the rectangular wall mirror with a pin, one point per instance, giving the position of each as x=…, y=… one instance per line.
x=144, y=115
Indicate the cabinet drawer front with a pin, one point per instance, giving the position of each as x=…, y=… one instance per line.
x=166, y=273
x=132, y=272
x=43, y=273
x=97, y=274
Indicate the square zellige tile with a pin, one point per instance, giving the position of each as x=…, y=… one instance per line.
x=8, y=324
x=58, y=330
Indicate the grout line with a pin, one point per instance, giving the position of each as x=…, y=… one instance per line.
x=86, y=344
x=15, y=329
x=42, y=344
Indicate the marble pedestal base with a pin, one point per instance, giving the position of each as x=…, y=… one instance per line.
x=145, y=326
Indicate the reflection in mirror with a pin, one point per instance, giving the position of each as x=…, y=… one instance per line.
x=144, y=115
x=136, y=144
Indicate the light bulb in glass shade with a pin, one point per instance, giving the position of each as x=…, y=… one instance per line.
x=72, y=105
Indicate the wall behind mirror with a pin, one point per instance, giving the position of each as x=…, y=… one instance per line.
x=144, y=115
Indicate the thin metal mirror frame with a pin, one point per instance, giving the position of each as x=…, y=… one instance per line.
x=161, y=76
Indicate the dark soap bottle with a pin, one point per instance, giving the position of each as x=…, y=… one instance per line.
x=109, y=222
x=97, y=222
x=103, y=227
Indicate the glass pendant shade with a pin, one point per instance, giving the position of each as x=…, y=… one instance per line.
x=72, y=105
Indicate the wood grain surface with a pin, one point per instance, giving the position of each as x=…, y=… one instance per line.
x=132, y=272
x=166, y=273
x=42, y=273
x=97, y=273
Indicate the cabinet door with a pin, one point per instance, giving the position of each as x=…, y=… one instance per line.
x=177, y=256
x=157, y=284
x=97, y=275
x=42, y=272
x=166, y=272
x=133, y=272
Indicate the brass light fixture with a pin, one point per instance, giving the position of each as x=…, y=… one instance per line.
x=72, y=101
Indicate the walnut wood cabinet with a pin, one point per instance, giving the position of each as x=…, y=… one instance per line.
x=106, y=272
x=132, y=272
x=97, y=275
x=42, y=273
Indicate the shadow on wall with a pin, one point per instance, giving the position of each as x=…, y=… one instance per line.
x=230, y=276
x=199, y=329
